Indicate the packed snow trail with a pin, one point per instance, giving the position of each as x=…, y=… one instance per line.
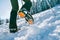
x=46, y=27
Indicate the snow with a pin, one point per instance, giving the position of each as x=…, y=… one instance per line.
x=46, y=27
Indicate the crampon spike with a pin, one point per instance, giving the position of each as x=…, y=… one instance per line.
x=30, y=21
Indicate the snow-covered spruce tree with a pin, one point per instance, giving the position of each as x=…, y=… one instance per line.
x=44, y=5
x=33, y=8
x=41, y=5
x=7, y=21
x=38, y=5
x=58, y=2
x=52, y=3
x=0, y=21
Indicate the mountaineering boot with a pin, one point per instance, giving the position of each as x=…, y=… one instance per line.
x=23, y=13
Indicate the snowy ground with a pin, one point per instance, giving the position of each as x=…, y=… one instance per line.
x=46, y=27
